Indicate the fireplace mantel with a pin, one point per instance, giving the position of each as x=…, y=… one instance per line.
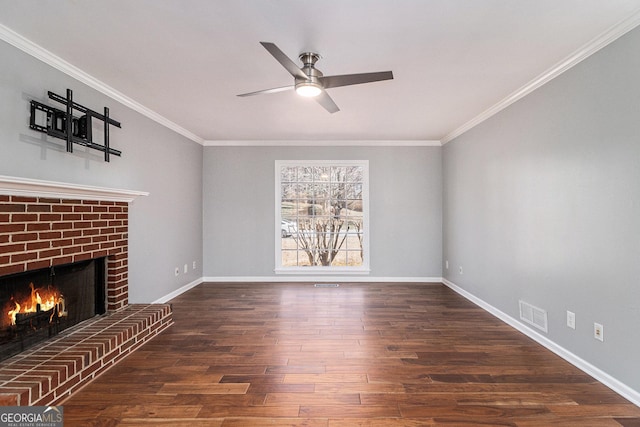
x=14, y=186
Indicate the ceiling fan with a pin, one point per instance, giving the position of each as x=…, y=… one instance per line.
x=310, y=82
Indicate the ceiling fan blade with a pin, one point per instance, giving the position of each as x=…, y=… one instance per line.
x=265, y=91
x=284, y=60
x=354, y=79
x=325, y=100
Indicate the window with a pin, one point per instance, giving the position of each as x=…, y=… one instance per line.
x=322, y=216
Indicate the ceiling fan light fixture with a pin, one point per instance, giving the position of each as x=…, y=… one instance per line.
x=308, y=89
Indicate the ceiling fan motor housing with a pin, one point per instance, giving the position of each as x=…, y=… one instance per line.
x=312, y=82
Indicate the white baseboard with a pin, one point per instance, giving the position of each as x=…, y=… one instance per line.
x=178, y=292
x=323, y=278
x=606, y=379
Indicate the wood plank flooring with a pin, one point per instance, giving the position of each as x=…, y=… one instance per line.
x=359, y=355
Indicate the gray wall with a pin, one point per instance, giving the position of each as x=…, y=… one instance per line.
x=542, y=203
x=405, y=200
x=165, y=228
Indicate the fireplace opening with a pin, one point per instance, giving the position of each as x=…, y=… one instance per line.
x=37, y=305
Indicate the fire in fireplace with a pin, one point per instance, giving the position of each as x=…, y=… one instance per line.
x=37, y=305
x=41, y=306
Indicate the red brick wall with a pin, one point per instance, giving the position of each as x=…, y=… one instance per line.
x=38, y=232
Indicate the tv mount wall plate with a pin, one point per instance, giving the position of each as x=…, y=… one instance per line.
x=74, y=130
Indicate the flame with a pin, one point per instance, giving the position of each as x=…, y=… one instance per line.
x=41, y=299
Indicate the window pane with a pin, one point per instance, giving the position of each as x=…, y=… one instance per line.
x=289, y=191
x=289, y=258
x=305, y=174
x=288, y=174
x=340, y=260
x=353, y=191
x=354, y=258
x=321, y=174
x=338, y=191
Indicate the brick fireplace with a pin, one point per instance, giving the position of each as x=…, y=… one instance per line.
x=38, y=232
x=47, y=224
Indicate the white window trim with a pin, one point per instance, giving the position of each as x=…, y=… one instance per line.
x=321, y=270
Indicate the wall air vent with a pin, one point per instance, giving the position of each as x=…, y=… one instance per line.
x=326, y=285
x=533, y=315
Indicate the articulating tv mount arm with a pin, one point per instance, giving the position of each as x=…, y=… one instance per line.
x=80, y=130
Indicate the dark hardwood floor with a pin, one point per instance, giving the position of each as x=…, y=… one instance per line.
x=358, y=355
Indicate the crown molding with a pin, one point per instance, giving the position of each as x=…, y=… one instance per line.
x=570, y=61
x=38, y=52
x=322, y=143
x=26, y=187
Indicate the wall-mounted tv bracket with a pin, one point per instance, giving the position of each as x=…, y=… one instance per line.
x=80, y=130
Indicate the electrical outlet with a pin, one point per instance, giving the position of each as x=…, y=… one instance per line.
x=461, y=270
x=571, y=319
x=194, y=265
x=598, y=331
x=446, y=264
x=185, y=268
x=177, y=271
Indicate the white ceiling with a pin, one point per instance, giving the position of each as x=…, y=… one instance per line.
x=184, y=61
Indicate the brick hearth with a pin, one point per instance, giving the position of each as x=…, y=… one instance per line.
x=50, y=372
x=38, y=232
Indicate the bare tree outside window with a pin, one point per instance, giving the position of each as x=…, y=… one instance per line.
x=322, y=216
